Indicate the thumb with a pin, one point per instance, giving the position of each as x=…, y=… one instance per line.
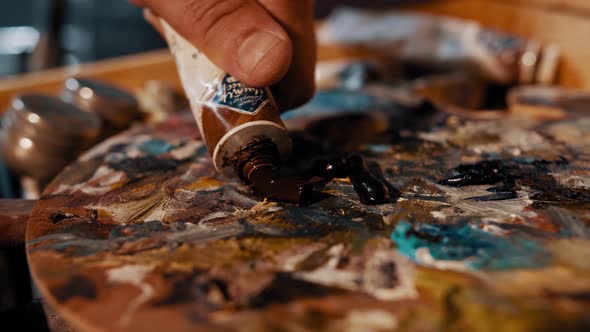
x=239, y=36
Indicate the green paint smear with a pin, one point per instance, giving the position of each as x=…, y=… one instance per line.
x=479, y=249
x=155, y=147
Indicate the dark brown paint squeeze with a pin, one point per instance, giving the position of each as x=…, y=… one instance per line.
x=257, y=165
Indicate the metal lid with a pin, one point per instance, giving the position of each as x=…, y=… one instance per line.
x=25, y=156
x=41, y=134
x=55, y=117
x=115, y=106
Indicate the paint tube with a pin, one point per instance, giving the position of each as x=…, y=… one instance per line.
x=230, y=114
x=240, y=125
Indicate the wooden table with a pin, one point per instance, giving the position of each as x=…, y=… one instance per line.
x=115, y=245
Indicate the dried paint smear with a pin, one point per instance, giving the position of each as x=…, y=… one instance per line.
x=142, y=234
x=477, y=248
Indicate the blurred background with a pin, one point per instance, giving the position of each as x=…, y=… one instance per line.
x=41, y=34
x=37, y=34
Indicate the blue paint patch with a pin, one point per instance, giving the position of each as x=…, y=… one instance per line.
x=341, y=101
x=201, y=151
x=355, y=76
x=156, y=147
x=479, y=249
x=379, y=148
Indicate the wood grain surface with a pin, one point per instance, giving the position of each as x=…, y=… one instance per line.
x=142, y=234
x=14, y=214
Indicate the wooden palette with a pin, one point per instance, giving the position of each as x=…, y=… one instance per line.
x=141, y=234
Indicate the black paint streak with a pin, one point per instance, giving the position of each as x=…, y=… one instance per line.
x=77, y=286
x=512, y=174
x=550, y=192
x=376, y=170
x=59, y=216
x=284, y=288
x=387, y=276
x=499, y=196
x=484, y=172
x=137, y=167
x=118, y=148
x=183, y=291
x=330, y=168
x=370, y=190
x=137, y=231
x=371, y=187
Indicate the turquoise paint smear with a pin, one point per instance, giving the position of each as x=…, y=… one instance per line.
x=156, y=147
x=479, y=249
x=340, y=101
x=378, y=148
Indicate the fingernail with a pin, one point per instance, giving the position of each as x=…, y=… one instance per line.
x=254, y=48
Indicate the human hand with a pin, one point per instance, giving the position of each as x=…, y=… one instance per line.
x=260, y=42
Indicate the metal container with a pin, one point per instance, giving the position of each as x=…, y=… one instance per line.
x=42, y=134
x=116, y=107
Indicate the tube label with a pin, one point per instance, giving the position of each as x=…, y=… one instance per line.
x=239, y=97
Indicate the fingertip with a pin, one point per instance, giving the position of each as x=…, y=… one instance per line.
x=264, y=58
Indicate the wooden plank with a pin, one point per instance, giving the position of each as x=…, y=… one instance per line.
x=566, y=29
x=129, y=72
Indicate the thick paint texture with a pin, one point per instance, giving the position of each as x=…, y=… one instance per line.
x=478, y=249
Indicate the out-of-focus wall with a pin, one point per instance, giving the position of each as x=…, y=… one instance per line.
x=89, y=30
x=16, y=12
x=323, y=7
x=78, y=31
